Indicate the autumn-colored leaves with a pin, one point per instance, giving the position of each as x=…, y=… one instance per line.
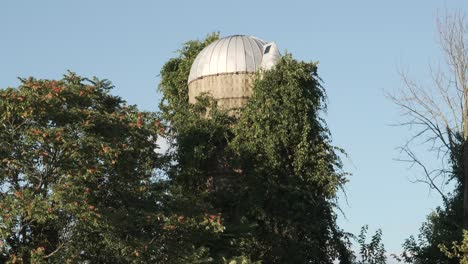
x=73, y=158
x=178, y=226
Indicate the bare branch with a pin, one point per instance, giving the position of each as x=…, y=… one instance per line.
x=429, y=178
x=60, y=246
x=438, y=112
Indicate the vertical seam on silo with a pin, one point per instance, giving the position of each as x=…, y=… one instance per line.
x=260, y=46
x=190, y=77
x=219, y=55
x=211, y=56
x=196, y=61
x=235, y=54
x=227, y=53
x=245, y=55
x=200, y=56
x=253, y=55
x=206, y=50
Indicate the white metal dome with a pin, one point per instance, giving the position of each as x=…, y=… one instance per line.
x=233, y=54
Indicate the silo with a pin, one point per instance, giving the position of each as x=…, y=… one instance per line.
x=226, y=69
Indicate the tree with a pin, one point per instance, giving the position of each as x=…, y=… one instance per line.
x=458, y=251
x=195, y=145
x=372, y=252
x=268, y=175
x=439, y=113
x=77, y=175
x=440, y=230
x=291, y=172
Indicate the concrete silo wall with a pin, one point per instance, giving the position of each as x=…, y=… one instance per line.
x=230, y=90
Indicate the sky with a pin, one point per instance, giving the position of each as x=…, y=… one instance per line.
x=360, y=47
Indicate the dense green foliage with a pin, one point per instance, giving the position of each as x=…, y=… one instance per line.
x=290, y=170
x=437, y=113
x=81, y=182
x=76, y=175
x=268, y=174
x=444, y=225
x=458, y=251
x=372, y=252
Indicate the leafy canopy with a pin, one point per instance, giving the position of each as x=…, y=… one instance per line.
x=76, y=174
x=270, y=172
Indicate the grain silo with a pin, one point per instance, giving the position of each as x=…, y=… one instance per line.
x=226, y=69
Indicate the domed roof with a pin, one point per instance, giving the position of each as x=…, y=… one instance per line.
x=233, y=54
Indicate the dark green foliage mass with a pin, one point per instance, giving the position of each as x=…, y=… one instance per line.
x=372, y=252
x=291, y=172
x=81, y=182
x=76, y=175
x=444, y=225
x=268, y=174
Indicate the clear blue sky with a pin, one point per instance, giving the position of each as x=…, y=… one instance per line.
x=360, y=46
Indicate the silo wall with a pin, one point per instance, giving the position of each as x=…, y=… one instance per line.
x=230, y=90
